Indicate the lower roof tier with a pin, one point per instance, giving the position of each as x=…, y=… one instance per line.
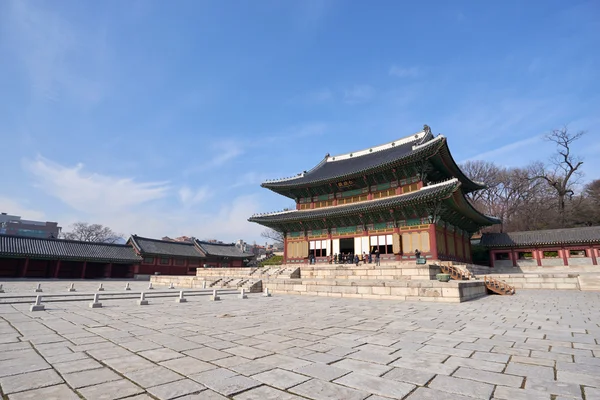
x=444, y=201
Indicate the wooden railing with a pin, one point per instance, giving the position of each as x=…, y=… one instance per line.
x=498, y=286
x=492, y=284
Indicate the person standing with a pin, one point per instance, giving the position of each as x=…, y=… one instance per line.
x=417, y=254
x=377, y=259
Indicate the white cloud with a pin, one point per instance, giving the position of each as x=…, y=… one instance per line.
x=359, y=94
x=91, y=192
x=404, y=72
x=219, y=153
x=497, y=154
x=190, y=197
x=19, y=208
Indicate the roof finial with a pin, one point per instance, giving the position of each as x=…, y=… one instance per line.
x=426, y=128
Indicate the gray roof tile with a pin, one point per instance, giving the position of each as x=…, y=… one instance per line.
x=221, y=249
x=588, y=234
x=158, y=247
x=20, y=246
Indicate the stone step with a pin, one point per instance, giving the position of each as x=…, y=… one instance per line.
x=589, y=282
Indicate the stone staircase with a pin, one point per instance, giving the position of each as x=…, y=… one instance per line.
x=492, y=284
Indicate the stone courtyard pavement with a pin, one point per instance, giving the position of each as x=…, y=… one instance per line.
x=535, y=345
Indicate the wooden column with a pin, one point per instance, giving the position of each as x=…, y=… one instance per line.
x=455, y=244
x=83, y=270
x=464, y=252
x=24, y=272
x=433, y=242
x=57, y=270
x=538, y=256
x=446, y=241
x=592, y=254
x=513, y=257
x=285, y=248
x=108, y=270
x=565, y=253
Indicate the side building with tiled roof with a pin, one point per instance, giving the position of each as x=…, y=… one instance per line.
x=392, y=200
x=27, y=257
x=544, y=248
x=166, y=257
x=223, y=255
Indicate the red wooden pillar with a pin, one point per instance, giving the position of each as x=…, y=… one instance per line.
x=83, y=270
x=492, y=258
x=455, y=244
x=446, y=241
x=470, y=257
x=108, y=270
x=57, y=270
x=433, y=242
x=592, y=254
x=538, y=256
x=464, y=250
x=565, y=253
x=513, y=257
x=285, y=248
x=24, y=272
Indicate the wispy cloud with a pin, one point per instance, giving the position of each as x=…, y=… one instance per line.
x=190, y=197
x=20, y=208
x=359, y=94
x=404, y=72
x=494, y=155
x=90, y=192
x=218, y=154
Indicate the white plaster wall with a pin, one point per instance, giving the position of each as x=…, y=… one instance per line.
x=336, y=246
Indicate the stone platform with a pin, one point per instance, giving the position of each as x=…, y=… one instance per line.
x=393, y=281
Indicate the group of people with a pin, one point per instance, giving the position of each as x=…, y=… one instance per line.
x=351, y=258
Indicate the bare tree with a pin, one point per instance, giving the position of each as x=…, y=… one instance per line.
x=272, y=234
x=563, y=171
x=92, y=233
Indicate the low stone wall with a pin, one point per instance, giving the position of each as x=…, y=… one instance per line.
x=540, y=281
x=256, y=273
x=367, y=271
x=432, y=291
x=195, y=282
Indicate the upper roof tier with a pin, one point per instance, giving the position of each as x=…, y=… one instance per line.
x=419, y=146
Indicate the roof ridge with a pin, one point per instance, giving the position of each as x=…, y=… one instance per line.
x=545, y=230
x=59, y=240
x=162, y=241
x=218, y=244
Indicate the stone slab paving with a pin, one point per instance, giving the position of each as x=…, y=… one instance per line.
x=535, y=345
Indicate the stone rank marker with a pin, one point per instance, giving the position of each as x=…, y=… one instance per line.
x=214, y=296
x=37, y=306
x=72, y=288
x=266, y=293
x=127, y=286
x=38, y=288
x=242, y=294
x=171, y=286
x=1, y=290
x=96, y=303
x=142, y=301
x=180, y=299
x=150, y=286
x=203, y=284
x=100, y=288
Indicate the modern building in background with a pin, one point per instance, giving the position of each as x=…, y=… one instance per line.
x=14, y=225
x=390, y=199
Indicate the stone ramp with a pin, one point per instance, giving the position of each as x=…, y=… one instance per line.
x=589, y=281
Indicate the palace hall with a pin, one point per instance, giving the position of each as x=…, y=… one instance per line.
x=392, y=199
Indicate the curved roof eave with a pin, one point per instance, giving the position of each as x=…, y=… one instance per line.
x=461, y=202
x=469, y=185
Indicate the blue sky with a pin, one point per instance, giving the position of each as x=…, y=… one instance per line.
x=162, y=118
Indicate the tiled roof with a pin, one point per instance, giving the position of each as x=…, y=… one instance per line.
x=221, y=249
x=588, y=234
x=148, y=246
x=436, y=191
x=332, y=167
x=20, y=246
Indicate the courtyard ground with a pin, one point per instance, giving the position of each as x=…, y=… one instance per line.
x=534, y=345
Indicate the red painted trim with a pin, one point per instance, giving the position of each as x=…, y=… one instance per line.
x=433, y=242
x=24, y=272
x=108, y=270
x=56, y=271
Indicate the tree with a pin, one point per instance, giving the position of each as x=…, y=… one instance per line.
x=272, y=234
x=92, y=233
x=563, y=171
